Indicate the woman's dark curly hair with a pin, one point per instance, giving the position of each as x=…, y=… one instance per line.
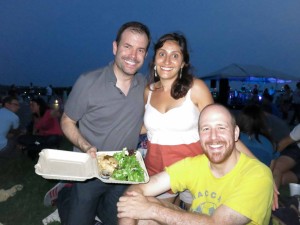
x=252, y=121
x=42, y=104
x=181, y=85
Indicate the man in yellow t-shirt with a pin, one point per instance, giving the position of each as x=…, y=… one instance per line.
x=228, y=187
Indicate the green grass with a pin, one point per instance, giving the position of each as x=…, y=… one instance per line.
x=26, y=207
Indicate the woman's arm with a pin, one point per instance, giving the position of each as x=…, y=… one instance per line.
x=243, y=148
x=201, y=95
x=143, y=130
x=146, y=93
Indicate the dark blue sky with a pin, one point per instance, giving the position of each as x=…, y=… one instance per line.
x=54, y=41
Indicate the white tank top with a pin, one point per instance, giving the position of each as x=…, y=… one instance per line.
x=179, y=125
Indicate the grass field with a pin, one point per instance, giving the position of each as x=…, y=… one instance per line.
x=26, y=207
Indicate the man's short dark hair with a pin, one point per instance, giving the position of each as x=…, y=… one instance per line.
x=134, y=26
x=8, y=99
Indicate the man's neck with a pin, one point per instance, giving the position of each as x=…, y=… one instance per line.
x=221, y=169
x=123, y=80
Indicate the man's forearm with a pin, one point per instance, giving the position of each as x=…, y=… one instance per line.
x=73, y=134
x=173, y=215
x=222, y=215
x=127, y=221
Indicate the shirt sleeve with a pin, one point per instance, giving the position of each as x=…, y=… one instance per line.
x=16, y=123
x=181, y=174
x=295, y=134
x=248, y=195
x=77, y=102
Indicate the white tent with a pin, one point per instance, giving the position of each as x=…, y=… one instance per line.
x=250, y=73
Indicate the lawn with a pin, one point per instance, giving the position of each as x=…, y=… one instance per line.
x=26, y=207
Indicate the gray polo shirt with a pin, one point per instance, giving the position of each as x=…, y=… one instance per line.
x=106, y=117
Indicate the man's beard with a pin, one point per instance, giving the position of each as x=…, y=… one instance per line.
x=216, y=156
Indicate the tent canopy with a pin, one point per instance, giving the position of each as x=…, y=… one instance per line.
x=249, y=73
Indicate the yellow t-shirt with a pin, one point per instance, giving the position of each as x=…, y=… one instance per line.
x=247, y=188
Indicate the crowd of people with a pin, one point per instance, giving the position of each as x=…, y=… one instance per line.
x=41, y=130
x=44, y=130
x=205, y=164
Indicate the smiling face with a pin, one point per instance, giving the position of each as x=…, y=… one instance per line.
x=218, y=133
x=169, y=60
x=130, y=53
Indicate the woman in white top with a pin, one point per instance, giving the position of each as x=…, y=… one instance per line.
x=174, y=100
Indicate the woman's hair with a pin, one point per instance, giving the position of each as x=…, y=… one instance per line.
x=182, y=84
x=42, y=104
x=252, y=121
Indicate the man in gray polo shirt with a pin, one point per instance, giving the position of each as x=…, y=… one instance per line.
x=108, y=106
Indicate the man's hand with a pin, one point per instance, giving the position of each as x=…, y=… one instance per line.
x=136, y=206
x=275, y=197
x=92, y=151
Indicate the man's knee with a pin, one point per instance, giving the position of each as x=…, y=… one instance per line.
x=284, y=163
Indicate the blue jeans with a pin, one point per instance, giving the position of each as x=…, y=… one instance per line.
x=84, y=200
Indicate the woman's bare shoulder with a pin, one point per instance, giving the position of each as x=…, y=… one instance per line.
x=199, y=86
x=200, y=94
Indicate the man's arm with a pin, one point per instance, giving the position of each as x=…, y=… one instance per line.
x=139, y=207
x=73, y=134
x=284, y=143
x=293, y=137
x=136, y=193
x=223, y=215
x=157, y=184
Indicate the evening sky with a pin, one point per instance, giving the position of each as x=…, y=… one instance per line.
x=54, y=41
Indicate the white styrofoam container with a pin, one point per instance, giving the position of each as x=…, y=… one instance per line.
x=76, y=166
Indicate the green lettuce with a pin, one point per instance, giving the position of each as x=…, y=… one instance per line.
x=129, y=168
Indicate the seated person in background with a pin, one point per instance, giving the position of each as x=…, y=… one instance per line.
x=277, y=127
x=285, y=101
x=46, y=131
x=9, y=124
x=296, y=105
x=255, y=134
x=223, y=182
x=267, y=103
x=287, y=168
